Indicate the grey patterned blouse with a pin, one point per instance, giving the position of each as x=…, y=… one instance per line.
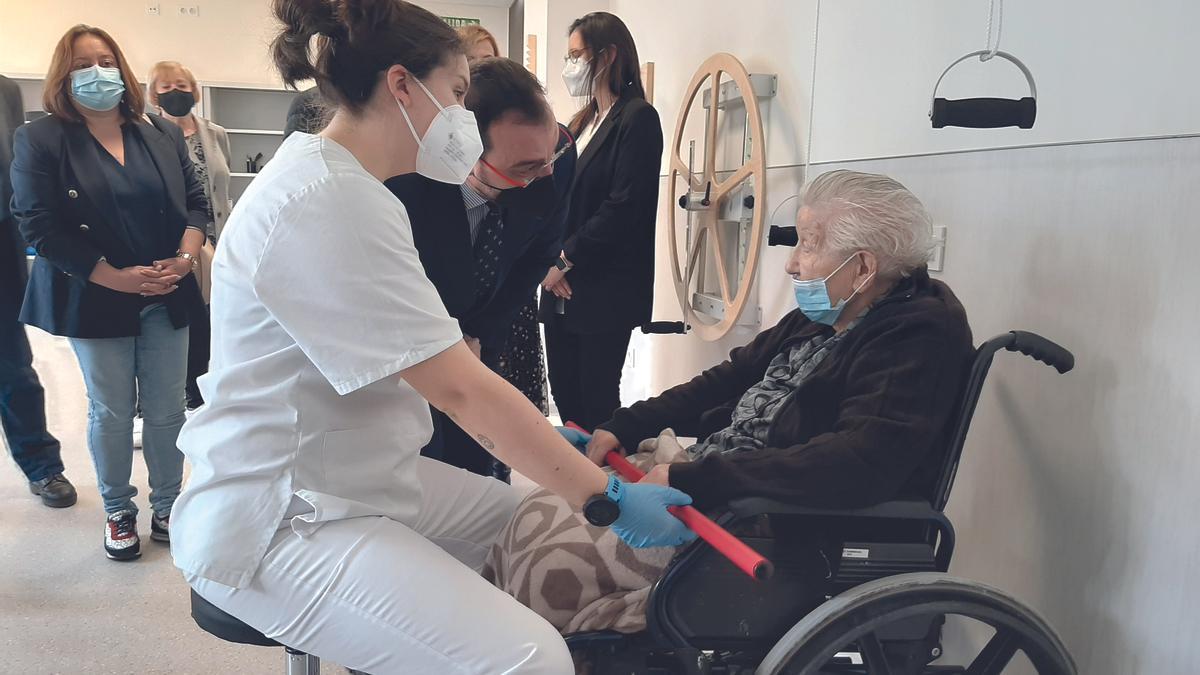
x=196, y=150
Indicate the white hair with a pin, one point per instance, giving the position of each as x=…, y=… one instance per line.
x=871, y=212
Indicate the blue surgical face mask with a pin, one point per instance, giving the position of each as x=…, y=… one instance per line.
x=96, y=88
x=812, y=297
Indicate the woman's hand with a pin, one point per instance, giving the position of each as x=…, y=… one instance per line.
x=180, y=267
x=645, y=522
x=602, y=442
x=474, y=345
x=137, y=279
x=575, y=437
x=556, y=283
x=657, y=476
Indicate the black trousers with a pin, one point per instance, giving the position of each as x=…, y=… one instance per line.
x=23, y=405
x=585, y=372
x=199, y=340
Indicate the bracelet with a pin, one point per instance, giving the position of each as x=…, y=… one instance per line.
x=192, y=261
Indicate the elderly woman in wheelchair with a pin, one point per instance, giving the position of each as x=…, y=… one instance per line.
x=845, y=403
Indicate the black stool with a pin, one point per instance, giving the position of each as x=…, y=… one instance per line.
x=212, y=620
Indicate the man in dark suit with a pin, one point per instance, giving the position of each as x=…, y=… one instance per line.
x=486, y=245
x=22, y=400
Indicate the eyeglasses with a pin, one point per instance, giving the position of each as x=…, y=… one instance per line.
x=524, y=182
x=576, y=57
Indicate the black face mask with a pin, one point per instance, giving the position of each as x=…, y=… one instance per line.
x=536, y=200
x=176, y=103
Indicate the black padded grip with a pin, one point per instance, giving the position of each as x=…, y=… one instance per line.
x=984, y=113
x=1046, y=351
x=782, y=236
x=664, y=328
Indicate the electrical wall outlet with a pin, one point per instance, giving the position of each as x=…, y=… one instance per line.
x=153, y=9
x=190, y=11
x=937, y=258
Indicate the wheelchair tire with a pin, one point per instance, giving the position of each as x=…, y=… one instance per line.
x=856, y=615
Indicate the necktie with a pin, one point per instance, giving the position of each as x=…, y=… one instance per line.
x=487, y=256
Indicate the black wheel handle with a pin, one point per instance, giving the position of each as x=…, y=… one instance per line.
x=984, y=113
x=1041, y=349
x=782, y=236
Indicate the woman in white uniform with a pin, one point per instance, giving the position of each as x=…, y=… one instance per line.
x=310, y=514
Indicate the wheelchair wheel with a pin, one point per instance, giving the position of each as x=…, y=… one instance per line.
x=860, y=615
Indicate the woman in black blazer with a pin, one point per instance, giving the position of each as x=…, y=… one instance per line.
x=603, y=287
x=110, y=200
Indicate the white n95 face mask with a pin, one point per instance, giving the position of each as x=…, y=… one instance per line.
x=451, y=144
x=575, y=76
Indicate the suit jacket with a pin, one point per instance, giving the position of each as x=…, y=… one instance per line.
x=215, y=142
x=529, y=246
x=12, y=247
x=68, y=213
x=610, y=224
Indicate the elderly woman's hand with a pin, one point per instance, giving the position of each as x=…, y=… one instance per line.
x=602, y=442
x=658, y=475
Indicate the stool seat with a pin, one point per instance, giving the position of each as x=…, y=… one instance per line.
x=223, y=625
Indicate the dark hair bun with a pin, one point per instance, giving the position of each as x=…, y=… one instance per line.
x=357, y=40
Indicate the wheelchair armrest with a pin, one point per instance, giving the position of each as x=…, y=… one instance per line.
x=911, y=511
x=898, y=510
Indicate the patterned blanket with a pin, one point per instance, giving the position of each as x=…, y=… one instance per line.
x=580, y=577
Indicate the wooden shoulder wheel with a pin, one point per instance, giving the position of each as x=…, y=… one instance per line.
x=713, y=308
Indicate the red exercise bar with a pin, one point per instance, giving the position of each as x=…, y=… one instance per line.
x=745, y=558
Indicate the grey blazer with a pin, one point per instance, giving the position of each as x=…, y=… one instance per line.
x=215, y=142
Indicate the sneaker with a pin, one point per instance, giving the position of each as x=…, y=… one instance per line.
x=137, y=431
x=160, y=528
x=120, y=536
x=56, y=491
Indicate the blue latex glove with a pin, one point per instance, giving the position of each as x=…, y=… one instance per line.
x=575, y=437
x=645, y=522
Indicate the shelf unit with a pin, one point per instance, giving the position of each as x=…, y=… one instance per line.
x=254, y=117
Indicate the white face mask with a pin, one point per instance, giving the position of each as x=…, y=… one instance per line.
x=451, y=144
x=575, y=75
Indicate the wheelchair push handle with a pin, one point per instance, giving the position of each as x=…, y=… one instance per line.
x=1041, y=349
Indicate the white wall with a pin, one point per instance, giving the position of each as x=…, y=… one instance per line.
x=227, y=42
x=1077, y=492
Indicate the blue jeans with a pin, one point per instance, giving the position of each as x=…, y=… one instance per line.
x=115, y=371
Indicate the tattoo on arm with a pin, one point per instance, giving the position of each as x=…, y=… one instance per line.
x=486, y=442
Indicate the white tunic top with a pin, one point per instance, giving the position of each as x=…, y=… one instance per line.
x=318, y=296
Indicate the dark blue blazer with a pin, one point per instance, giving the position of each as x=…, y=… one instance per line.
x=66, y=210
x=529, y=247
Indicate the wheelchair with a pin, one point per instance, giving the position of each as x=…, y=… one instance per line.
x=871, y=598
x=869, y=594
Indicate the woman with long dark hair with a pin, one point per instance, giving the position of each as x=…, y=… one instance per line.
x=110, y=200
x=602, y=288
x=310, y=514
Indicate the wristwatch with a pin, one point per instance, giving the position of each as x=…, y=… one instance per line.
x=188, y=257
x=562, y=263
x=603, y=509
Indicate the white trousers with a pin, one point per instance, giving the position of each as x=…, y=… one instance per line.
x=377, y=596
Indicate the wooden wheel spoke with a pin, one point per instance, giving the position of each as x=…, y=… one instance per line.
x=710, y=144
x=693, y=255
x=996, y=654
x=726, y=186
x=722, y=273
x=678, y=165
x=873, y=657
